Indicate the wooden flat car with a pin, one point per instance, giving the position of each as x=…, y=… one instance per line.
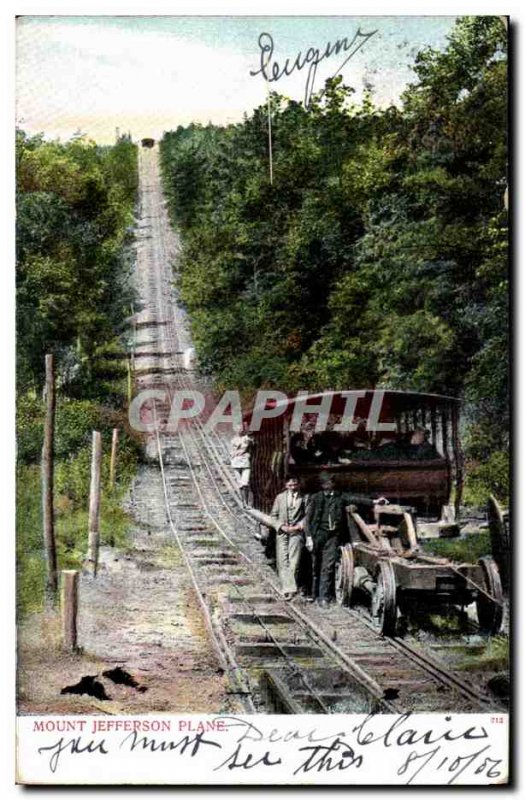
x=383, y=559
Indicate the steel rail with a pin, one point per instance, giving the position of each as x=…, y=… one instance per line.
x=430, y=665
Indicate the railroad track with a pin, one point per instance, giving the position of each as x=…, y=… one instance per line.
x=279, y=656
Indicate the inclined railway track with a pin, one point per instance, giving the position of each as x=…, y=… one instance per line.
x=278, y=656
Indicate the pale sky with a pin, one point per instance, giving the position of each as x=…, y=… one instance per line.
x=150, y=74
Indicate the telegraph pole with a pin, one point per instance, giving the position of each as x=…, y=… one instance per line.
x=270, y=153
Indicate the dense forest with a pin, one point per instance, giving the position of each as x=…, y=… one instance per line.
x=377, y=256
x=75, y=215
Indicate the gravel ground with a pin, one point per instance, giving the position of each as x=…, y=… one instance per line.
x=139, y=614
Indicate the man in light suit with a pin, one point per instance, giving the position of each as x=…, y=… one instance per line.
x=241, y=447
x=289, y=512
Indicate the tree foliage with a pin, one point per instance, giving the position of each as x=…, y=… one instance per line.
x=75, y=205
x=378, y=255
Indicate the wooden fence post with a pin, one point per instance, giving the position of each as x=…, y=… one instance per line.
x=113, y=459
x=94, y=504
x=47, y=481
x=69, y=605
x=130, y=382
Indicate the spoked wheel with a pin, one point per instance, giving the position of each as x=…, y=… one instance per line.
x=344, y=575
x=384, y=607
x=499, y=527
x=490, y=605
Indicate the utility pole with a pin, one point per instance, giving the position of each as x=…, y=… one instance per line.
x=270, y=153
x=47, y=481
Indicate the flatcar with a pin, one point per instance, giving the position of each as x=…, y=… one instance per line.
x=374, y=457
x=384, y=560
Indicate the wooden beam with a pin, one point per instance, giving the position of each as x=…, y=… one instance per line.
x=277, y=694
x=365, y=530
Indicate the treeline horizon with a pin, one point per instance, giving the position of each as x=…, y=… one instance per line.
x=377, y=257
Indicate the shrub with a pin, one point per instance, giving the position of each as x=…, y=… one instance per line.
x=490, y=477
x=29, y=428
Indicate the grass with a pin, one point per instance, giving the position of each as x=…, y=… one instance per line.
x=467, y=549
x=75, y=420
x=71, y=532
x=494, y=657
x=29, y=541
x=169, y=555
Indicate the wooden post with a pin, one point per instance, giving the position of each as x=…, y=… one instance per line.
x=458, y=462
x=47, y=481
x=444, y=433
x=69, y=605
x=433, y=426
x=113, y=459
x=112, y=473
x=130, y=384
x=94, y=503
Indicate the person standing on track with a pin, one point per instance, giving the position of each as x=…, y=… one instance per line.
x=241, y=448
x=289, y=512
x=326, y=531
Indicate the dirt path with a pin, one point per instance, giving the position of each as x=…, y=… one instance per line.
x=140, y=615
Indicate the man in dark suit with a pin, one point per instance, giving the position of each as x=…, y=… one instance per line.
x=326, y=529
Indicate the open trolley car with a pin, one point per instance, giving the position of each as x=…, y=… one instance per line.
x=364, y=460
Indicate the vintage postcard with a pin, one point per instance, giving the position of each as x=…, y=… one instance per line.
x=262, y=372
